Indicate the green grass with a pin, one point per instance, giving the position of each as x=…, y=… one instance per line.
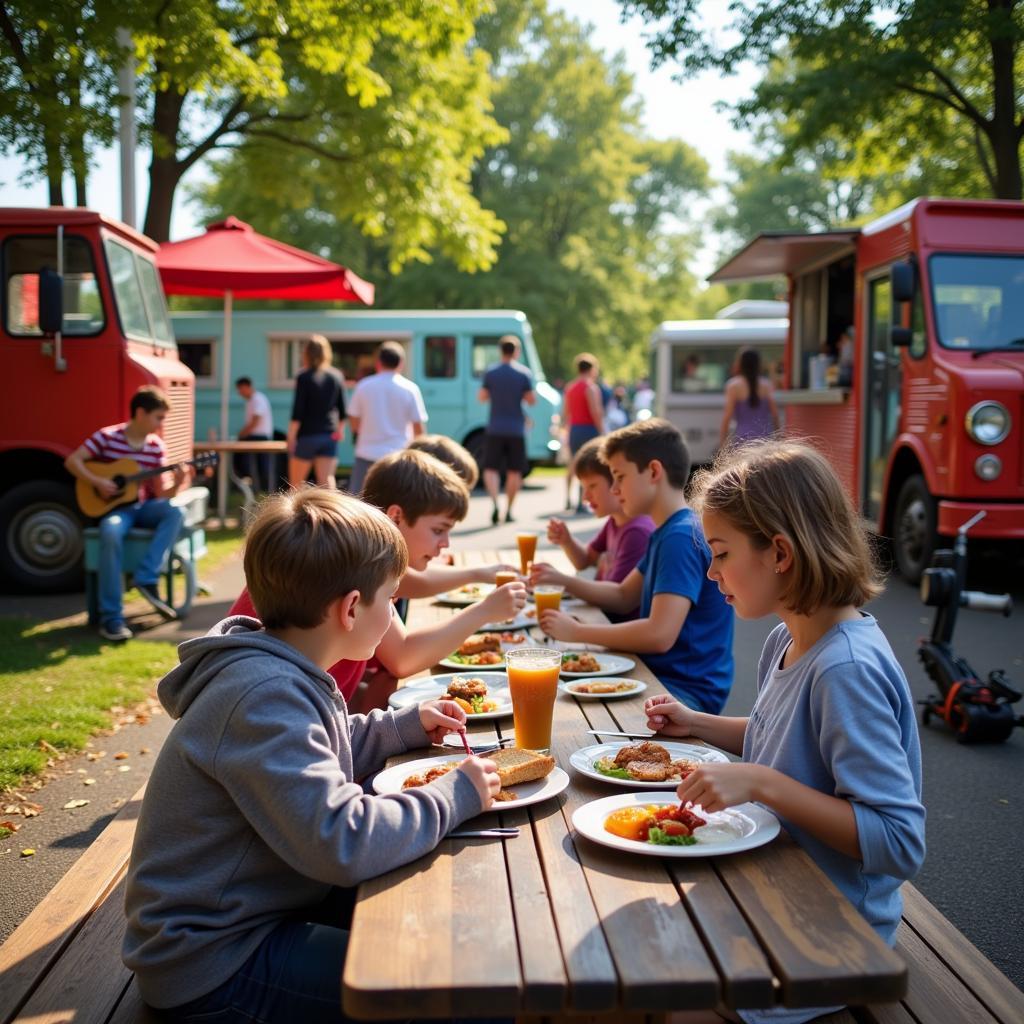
x=58, y=685
x=546, y=471
x=221, y=545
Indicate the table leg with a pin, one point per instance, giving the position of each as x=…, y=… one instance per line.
x=222, y=487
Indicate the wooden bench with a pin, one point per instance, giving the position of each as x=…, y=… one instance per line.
x=180, y=561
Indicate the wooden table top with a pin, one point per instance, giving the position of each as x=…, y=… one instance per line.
x=240, y=445
x=552, y=923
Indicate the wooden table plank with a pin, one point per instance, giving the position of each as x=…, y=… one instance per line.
x=793, y=909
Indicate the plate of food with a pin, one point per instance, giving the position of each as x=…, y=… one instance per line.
x=603, y=688
x=657, y=824
x=527, y=777
x=580, y=664
x=469, y=594
x=644, y=765
x=483, y=696
x=485, y=650
x=518, y=622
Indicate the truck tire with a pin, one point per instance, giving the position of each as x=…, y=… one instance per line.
x=913, y=534
x=474, y=444
x=41, y=537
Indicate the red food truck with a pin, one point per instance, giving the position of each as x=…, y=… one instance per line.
x=920, y=413
x=69, y=367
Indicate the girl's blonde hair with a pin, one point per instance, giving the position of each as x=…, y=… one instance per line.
x=785, y=487
x=318, y=352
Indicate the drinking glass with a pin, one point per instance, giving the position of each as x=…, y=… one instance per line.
x=533, y=683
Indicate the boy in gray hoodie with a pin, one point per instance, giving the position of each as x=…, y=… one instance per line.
x=253, y=813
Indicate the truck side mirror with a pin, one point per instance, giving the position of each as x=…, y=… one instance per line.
x=51, y=301
x=901, y=279
x=900, y=337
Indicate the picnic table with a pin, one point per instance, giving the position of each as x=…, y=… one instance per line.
x=228, y=448
x=549, y=923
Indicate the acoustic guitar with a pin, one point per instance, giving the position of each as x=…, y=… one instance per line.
x=127, y=475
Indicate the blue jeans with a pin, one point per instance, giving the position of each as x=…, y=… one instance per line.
x=294, y=977
x=360, y=467
x=158, y=515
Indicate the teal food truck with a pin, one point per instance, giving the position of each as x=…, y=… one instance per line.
x=447, y=352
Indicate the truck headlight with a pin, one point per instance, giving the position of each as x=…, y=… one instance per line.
x=988, y=466
x=987, y=422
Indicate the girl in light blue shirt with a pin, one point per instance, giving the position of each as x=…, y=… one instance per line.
x=831, y=744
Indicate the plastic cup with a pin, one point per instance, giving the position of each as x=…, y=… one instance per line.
x=533, y=683
x=504, y=576
x=527, y=550
x=547, y=596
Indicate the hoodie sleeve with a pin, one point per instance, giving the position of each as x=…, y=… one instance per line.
x=275, y=758
x=382, y=734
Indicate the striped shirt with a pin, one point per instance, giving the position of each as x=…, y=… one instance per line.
x=111, y=443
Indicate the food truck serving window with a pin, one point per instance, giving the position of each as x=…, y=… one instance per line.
x=140, y=300
x=700, y=369
x=23, y=258
x=978, y=300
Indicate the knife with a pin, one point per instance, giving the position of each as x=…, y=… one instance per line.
x=485, y=833
x=624, y=735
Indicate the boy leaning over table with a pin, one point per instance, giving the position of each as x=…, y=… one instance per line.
x=252, y=814
x=425, y=499
x=684, y=627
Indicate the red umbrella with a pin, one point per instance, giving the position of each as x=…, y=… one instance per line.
x=231, y=259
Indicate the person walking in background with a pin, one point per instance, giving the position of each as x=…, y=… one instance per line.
x=584, y=416
x=318, y=417
x=506, y=386
x=386, y=410
x=749, y=402
x=258, y=426
x=643, y=398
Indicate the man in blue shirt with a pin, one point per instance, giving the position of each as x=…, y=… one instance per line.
x=506, y=386
x=684, y=628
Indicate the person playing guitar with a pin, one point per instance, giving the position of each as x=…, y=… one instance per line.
x=137, y=439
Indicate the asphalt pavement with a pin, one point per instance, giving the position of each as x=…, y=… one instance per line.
x=973, y=872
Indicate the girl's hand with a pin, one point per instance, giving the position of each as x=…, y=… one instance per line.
x=558, y=532
x=504, y=602
x=440, y=717
x=484, y=776
x=486, y=573
x=543, y=572
x=668, y=716
x=717, y=786
x=559, y=625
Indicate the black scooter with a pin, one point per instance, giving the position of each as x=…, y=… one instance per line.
x=978, y=712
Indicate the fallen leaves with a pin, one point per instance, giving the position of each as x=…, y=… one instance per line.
x=72, y=804
x=28, y=853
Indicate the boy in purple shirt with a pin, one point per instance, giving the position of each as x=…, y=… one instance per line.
x=621, y=542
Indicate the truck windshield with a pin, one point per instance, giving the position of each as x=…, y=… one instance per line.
x=978, y=300
x=140, y=300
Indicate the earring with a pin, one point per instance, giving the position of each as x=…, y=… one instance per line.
x=777, y=570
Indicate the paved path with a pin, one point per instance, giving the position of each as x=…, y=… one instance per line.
x=973, y=794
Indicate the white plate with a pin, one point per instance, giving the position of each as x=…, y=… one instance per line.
x=516, y=625
x=611, y=665
x=757, y=826
x=583, y=760
x=432, y=687
x=390, y=781
x=469, y=594
x=638, y=686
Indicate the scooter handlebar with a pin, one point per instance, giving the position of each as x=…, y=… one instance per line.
x=981, y=602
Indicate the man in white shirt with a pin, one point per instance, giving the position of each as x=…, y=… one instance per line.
x=258, y=426
x=386, y=411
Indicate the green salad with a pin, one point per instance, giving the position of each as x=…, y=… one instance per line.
x=606, y=766
x=661, y=838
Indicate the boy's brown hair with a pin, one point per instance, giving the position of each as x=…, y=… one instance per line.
x=451, y=453
x=149, y=398
x=646, y=440
x=588, y=461
x=307, y=548
x=770, y=487
x=418, y=484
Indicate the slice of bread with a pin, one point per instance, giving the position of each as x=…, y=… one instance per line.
x=516, y=765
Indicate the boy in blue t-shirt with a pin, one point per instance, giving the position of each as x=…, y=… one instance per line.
x=684, y=628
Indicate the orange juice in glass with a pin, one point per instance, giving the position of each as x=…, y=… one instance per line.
x=527, y=549
x=547, y=596
x=503, y=576
x=533, y=683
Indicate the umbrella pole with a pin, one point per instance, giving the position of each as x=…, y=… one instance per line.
x=225, y=393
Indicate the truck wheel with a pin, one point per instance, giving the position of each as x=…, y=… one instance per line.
x=914, y=524
x=474, y=444
x=41, y=537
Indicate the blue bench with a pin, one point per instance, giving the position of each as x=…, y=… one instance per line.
x=180, y=561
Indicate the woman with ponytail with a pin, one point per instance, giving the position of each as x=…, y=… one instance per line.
x=749, y=402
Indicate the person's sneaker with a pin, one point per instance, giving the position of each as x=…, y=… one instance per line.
x=149, y=592
x=495, y=516
x=115, y=630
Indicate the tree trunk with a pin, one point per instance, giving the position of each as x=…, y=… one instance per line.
x=165, y=170
x=76, y=141
x=54, y=167
x=1003, y=132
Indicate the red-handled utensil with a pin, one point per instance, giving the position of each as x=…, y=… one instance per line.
x=465, y=742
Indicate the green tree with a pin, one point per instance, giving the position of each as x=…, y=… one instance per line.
x=933, y=70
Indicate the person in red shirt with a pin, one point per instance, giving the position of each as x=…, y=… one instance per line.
x=584, y=417
x=425, y=500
